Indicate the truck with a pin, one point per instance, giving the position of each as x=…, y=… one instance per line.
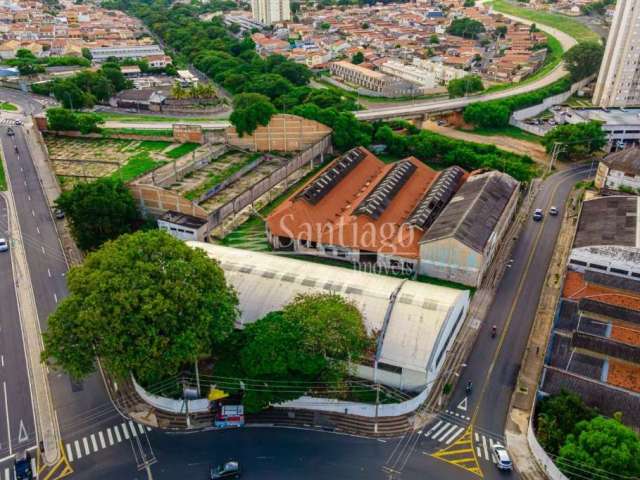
x=229, y=416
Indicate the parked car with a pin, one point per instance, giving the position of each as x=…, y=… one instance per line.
x=4, y=246
x=442, y=123
x=226, y=470
x=538, y=215
x=58, y=213
x=500, y=457
x=553, y=211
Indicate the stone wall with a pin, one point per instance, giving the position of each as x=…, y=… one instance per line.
x=156, y=200
x=184, y=132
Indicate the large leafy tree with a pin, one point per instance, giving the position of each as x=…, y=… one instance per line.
x=557, y=417
x=603, y=446
x=249, y=111
x=577, y=141
x=99, y=211
x=465, y=27
x=583, y=59
x=460, y=87
x=145, y=304
x=310, y=340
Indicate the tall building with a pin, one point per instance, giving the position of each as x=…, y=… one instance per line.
x=270, y=11
x=618, y=82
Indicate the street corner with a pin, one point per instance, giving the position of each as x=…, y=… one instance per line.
x=58, y=470
x=461, y=453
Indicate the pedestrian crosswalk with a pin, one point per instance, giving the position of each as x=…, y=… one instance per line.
x=458, y=415
x=448, y=429
x=7, y=121
x=94, y=442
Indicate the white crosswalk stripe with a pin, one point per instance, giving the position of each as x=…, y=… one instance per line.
x=444, y=431
x=7, y=474
x=97, y=441
x=484, y=444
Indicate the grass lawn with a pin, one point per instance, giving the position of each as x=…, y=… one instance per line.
x=181, y=150
x=558, y=21
x=166, y=132
x=3, y=179
x=9, y=107
x=137, y=118
x=216, y=178
x=137, y=165
x=509, y=131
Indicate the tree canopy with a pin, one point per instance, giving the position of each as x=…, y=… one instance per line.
x=465, y=27
x=145, y=304
x=460, y=87
x=249, y=111
x=310, y=340
x=578, y=141
x=62, y=119
x=603, y=445
x=357, y=58
x=99, y=211
x=583, y=59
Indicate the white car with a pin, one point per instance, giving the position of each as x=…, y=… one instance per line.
x=500, y=457
x=553, y=211
x=4, y=246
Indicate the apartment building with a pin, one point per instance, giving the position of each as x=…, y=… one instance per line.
x=618, y=82
x=100, y=54
x=375, y=82
x=269, y=12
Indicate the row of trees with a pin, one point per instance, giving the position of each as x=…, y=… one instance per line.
x=584, y=443
x=62, y=119
x=86, y=88
x=28, y=64
x=444, y=151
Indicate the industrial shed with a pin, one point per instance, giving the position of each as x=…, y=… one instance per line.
x=463, y=240
x=416, y=322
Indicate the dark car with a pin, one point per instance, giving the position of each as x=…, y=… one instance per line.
x=10, y=132
x=226, y=470
x=23, y=468
x=58, y=213
x=537, y=215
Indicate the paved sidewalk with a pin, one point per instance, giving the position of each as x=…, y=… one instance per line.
x=533, y=360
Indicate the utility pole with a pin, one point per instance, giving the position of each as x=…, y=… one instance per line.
x=197, y=377
x=375, y=426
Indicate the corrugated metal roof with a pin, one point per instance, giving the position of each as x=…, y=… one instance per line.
x=608, y=221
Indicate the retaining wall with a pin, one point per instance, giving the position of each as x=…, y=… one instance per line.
x=543, y=460
x=169, y=404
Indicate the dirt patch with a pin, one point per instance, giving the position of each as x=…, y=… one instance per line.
x=521, y=147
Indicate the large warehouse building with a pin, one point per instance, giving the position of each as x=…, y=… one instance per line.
x=416, y=323
x=402, y=216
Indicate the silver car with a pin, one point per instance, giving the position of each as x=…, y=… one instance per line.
x=500, y=457
x=4, y=246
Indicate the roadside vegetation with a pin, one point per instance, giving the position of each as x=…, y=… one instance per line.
x=3, y=178
x=508, y=131
x=558, y=21
x=165, y=132
x=578, y=141
x=181, y=150
x=8, y=107
x=584, y=443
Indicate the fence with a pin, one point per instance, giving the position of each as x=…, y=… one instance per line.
x=171, y=173
x=169, y=404
x=229, y=180
x=519, y=115
x=254, y=192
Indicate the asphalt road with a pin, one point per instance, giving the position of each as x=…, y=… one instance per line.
x=17, y=426
x=78, y=405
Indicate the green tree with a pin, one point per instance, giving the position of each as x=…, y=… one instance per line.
x=601, y=445
x=434, y=40
x=578, y=141
x=61, y=119
x=296, y=73
x=325, y=26
x=469, y=3
x=270, y=84
x=249, y=111
x=465, y=27
x=487, y=114
x=99, y=211
x=557, y=417
x=311, y=340
x=460, y=87
x=86, y=53
x=145, y=304
x=501, y=31
x=89, y=122
x=357, y=58
x=583, y=59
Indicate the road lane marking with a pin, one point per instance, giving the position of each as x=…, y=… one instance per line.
x=441, y=437
x=433, y=428
x=455, y=434
x=69, y=452
x=94, y=442
x=38, y=229
x=23, y=436
x=2, y=360
x=110, y=436
x=6, y=409
x=133, y=429
x=478, y=452
x=78, y=452
x=102, y=443
x=440, y=430
x=85, y=444
x=484, y=447
x=140, y=427
x=43, y=250
x=49, y=272
x=55, y=297
x=33, y=213
x=115, y=428
x=125, y=430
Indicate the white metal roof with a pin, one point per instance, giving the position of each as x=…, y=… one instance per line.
x=266, y=282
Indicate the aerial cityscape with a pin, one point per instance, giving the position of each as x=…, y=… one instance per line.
x=320, y=239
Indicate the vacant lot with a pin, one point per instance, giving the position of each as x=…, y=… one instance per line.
x=78, y=158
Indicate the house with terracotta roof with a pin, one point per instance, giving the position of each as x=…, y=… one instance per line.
x=594, y=349
x=367, y=212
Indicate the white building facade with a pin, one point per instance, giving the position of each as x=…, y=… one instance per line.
x=269, y=12
x=618, y=82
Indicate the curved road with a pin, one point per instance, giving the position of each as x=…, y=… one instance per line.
x=381, y=111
